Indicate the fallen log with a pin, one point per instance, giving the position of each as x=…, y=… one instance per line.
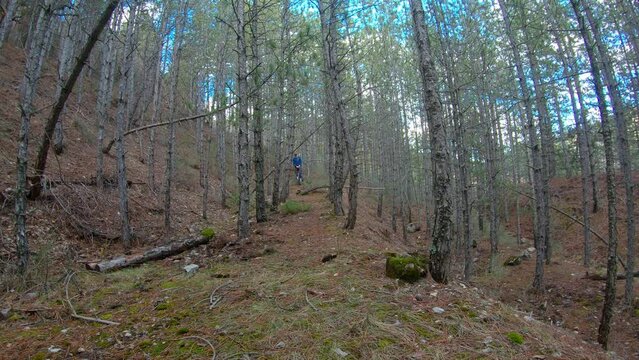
x=306, y=192
x=157, y=253
x=604, y=277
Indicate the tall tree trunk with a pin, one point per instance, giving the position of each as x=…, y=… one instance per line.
x=568, y=71
x=36, y=51
x=243, y=228
x=157, y=95
x=121, y=121
x=619, y=112
x=606, y=127
x=439, y=264
x=220, y=125
x=329, y=19
x=7, y=21
x=279, y=126
x=537, y=164
x=175, y=70
x=258, y=154
x=105, y=93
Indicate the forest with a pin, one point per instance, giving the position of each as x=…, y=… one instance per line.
x=319, y=179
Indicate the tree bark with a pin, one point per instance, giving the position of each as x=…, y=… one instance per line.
x=439, y=264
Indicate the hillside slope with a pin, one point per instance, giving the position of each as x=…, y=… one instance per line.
x=274, y=298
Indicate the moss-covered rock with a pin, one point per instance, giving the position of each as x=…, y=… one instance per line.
x=409, y=268
x=208, y=232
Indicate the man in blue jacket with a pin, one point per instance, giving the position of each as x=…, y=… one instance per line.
x=297, y=163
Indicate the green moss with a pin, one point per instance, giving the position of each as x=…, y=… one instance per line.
x=189, y=350
x=409, y=268
x=168, y=285
x=163, y=306
x=15, y=317
x=636, y=312
x=153, y=349
x=103, y=341
x=208, y=232
x=182, y=331
x=294, y=207
x=382, y=343
x=39, y=356
x=515, y=337
x=107, y=316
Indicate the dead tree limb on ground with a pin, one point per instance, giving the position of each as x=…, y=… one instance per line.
x=157, y=253
x=604, y=276
x=577, y=221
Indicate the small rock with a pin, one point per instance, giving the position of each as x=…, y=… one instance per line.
x=513, y=261
x=340, y=352
x=80, y=350
x=52, y=349
x=127, y=334
x=5, y=314
x=412, y=228
x=438, y=310
x=280, y=345
x=419, y=297
x=191, y=269
x=31, y=296
x=531, y=249
x=328, y=257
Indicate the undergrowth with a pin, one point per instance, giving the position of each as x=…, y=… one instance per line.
x=293, y=207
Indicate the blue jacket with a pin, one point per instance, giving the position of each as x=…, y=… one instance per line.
x=297, y=161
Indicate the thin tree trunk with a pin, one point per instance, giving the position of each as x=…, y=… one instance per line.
x=258, y=154
x=105, y=93
x=243, y=227
x=7, y=21
x=220, y=125
x=175, y=70
x=121, y=121
x=157, y=93
x=36, y=51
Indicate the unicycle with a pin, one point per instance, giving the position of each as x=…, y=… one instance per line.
x=298, y=174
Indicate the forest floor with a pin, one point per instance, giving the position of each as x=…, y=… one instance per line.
x=273, y=297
